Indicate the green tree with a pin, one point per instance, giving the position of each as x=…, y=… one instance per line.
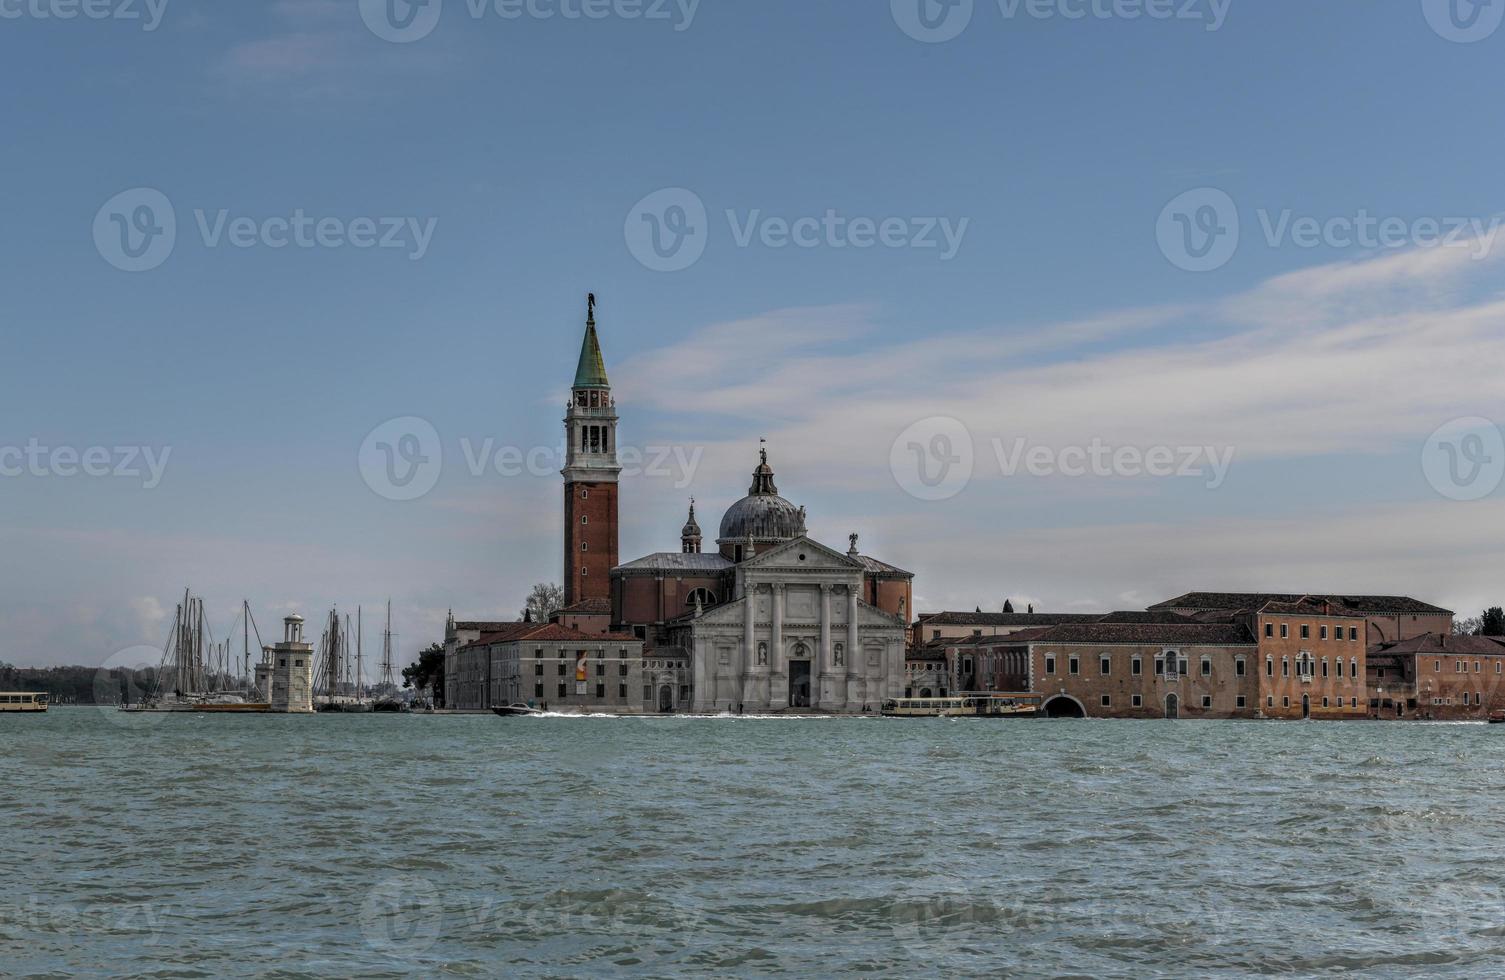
x=427, y=674
x=1493, y=623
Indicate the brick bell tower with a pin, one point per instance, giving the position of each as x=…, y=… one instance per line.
x=590, y=475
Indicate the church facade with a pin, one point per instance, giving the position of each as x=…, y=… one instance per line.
x=770, y=621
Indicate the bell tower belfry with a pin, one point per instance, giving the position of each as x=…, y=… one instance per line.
x=590, y=475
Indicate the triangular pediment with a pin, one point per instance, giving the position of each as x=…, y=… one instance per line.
x=816, y=555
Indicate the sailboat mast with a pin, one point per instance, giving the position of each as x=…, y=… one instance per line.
x=360, y=667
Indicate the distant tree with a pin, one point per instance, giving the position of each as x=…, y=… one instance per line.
x=545, y=600
x=427, y=674
x=1008, y=605
x=1493, y=623
x=1468, y=627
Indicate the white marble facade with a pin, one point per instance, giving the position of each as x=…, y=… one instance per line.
x=798, y=637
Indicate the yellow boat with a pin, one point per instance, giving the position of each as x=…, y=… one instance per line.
x=22, y=702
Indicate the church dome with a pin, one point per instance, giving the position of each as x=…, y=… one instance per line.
x=762, y=515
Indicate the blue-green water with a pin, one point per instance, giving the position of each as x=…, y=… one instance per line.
x=194, y=846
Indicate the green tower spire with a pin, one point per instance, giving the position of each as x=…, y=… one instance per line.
x=592, y=370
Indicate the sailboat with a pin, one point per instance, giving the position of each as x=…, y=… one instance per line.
x=388, y=700
x=335, y=689
x=196, y=673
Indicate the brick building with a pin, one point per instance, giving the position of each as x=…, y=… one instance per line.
x=1387, y=618
x=1437, y=677
x=548, y=664
x=1146, y=670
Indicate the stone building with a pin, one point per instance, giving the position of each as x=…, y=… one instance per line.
x=285, y=676
x=548, y=665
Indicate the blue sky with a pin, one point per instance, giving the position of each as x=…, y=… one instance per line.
x=522, y=147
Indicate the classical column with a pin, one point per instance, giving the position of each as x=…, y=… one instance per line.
x=704, y=696
x=827, y=669
x=778, y=670
x=749, y=647
x=856, y=663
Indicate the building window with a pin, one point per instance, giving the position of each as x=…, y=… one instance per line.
x=585, y=519
x=1354, y=703
x=1136, y=701
x=1206, y=666
x=1270, y=631
x=1285, y=667
x=1206, y=701
x=1050, y=665
x=1136, y=667
x=1353, y=633
x=1238, y=667
x=1270, y=701
x=1241, y=702
x=1306, y=631
x=600, y=691
x=561, y=668
x=1075, y=665
x=1324, y=632
x=1105, y=665
x=1107, y=700
x=622, y=670
x=1324, y=703
x=538, y=670
x=1324, y=667
x=1353, y=666
x=1437, y=666
x=562, y=691
x=1269, y=666
x=622, y=691
x=1285, y=702
x=1285, y=631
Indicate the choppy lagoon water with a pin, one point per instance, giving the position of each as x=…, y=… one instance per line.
x=191, y=846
